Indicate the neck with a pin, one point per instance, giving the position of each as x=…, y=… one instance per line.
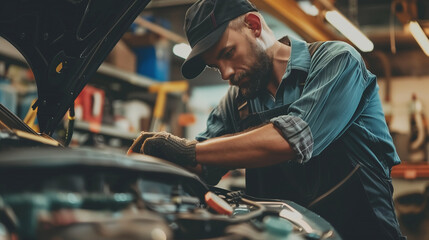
x=280, y=54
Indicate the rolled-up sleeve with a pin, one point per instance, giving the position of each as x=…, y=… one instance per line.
x=297, y=133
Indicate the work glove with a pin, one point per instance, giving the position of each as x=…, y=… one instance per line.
x=169, y=147
x=137, y=144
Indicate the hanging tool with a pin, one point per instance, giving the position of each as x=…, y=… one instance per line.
x=162, y=89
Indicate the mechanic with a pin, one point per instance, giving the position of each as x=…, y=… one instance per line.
x=305, y=120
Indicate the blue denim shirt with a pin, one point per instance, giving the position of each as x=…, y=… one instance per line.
x=339, y=100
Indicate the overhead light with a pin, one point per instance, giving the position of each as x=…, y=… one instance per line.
x=182, y=50
x=349, y=30
x=420, y=36
x=308, y=8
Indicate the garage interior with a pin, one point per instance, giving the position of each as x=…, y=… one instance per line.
x=139, y=86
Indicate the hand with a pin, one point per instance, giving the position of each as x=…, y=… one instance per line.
x=171, y=148
x=136, y=147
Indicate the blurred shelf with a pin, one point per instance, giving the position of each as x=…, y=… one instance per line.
x=132, y=78
x=104, y=130
x=9, y=51
x=410, y=170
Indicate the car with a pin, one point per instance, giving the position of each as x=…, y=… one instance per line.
x=49, y=191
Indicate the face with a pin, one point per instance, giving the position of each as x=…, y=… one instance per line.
x=241, y=61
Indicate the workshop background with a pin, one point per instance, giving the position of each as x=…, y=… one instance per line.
x=140, y=87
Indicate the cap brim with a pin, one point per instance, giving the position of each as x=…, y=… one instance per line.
x=194, y=65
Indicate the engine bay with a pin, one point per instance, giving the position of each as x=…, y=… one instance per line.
x=97, y=195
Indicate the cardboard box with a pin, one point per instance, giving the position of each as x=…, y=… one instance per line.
x=122, y=57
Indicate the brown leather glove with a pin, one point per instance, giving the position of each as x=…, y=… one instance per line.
x=136, y=147
x=171, y=148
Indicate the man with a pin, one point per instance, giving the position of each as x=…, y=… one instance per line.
x=305, y=121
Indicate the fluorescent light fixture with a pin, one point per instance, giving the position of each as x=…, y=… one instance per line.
x=420, y=36
x=308, y=8
x=349, y=30
x=182, y=50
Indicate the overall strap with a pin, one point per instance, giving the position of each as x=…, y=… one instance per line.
x=256, y=119
x=312, y=47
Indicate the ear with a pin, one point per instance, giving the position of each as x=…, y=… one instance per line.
x=253, y=22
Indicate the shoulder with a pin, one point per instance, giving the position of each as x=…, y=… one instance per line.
x=337, y=56
x=334, y=49
x=337, y=53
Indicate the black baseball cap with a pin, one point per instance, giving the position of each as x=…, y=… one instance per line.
x=205, y=23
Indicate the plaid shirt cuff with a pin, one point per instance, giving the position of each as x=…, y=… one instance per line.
x=298, y=134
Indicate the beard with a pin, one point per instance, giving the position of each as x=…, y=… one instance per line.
x=258, y=75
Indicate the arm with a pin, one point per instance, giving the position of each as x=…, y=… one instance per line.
x=285, y=138
x=259, y=147
x=326, y=107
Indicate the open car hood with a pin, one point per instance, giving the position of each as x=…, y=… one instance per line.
x=64, y=42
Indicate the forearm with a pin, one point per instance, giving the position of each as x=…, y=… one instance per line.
x=260, y=147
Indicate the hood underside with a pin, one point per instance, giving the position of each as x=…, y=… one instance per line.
x=64, y=42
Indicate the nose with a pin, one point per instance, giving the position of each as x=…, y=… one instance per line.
x=226, y=71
